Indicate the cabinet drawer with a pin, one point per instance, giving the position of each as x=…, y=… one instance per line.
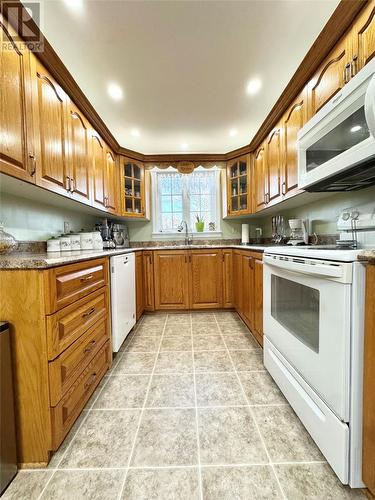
x=66, y=412
x=68, y=324
x=65, y=369
x=70, y=283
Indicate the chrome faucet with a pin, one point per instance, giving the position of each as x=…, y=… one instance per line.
x=188, y=239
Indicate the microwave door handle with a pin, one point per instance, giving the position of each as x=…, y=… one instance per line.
x=312, y=269
x=370, y=106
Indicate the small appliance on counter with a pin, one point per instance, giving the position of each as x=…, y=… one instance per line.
x=298, y=234
x=105, y=229
x=120, y=235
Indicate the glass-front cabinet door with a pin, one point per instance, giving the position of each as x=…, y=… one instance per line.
x=133, y=189
x=238, y=186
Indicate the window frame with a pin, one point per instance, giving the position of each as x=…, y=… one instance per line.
x=156, y=233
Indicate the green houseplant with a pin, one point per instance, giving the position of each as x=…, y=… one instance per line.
x=199, y=225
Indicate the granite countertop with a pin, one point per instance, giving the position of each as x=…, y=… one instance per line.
x=368, y=255
x=30, y=260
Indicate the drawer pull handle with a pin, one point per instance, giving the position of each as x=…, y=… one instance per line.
x=90, y=381
x=87, y=278
x=88, y=313
x=90, y=346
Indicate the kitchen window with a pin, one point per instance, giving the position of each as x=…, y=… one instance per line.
x=178, y=197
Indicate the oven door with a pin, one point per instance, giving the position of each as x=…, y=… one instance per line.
x=307, y=318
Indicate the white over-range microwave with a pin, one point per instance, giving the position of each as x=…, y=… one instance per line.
x=336, y=148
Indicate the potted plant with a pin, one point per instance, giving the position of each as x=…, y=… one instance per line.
x=199, y=225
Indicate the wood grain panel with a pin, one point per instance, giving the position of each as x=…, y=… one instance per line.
x=171, y=279
x=206, y=279
x=363, y=37
x=111, y=174
x=260, y=184
x=228, y=299
x=258, y=300
x=247, y=309
x=148, y=281
x=273, y=166
x=98, y=171
x=237, y=280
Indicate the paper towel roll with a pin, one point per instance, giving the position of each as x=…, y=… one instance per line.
x=245, y=234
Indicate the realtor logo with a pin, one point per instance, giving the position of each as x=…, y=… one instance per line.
x=25, y=20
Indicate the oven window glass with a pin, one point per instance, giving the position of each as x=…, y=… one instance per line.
x=296, y=308
x=347, y=134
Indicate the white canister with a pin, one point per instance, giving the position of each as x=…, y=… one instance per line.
x=86, y=241
x=53, y=245
x=97, y=240
x=65, y=243
x=75, y=241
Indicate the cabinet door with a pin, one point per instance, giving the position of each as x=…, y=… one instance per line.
x=148, y=281
x=50, y=126
x=258, y=300
x=273, y=167
x=79, y=154
x=238, y=185
x=293, y=121
x=139, y=284
x=132, y=184
x=248, y=290
x=259, y=179
x=363, y=38
x=171, y=278
x=330, y=77
x=98, y=171
x=110, y=182
x=237, y=281
x=17, y=155
x=228, y=298
x=206, y=279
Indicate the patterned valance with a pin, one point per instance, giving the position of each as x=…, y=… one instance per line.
x=185, y=167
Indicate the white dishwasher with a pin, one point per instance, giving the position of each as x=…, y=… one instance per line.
x=122, y=297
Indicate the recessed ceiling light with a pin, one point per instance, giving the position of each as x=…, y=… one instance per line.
x=135, y=132
x=184, y=145
x=74, y=5
x=253, y=86
x=233, y=132
x=356, y=128
x=115, y=91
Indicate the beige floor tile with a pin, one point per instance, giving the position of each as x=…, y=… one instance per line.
x=144, y=344
x=223, y=316
x=161, y=484
x=260, y=389
x=285, y=437
x=229, y=436
x=313, y=482
x=149, y=331
x=178, y=319
x=218, y=389
x=247, y=360
x=203, y=318
x=27, y=485
x=240, y=483
x=174, y=362
x=176, y=343
x=182, y=329
x=83, y=485
x=205, y=329
x=212, y=361
x=171, y=390
x=104, y=440
x=127, y=341
x=233, y=328
x=123, y=391
x=166, y=437
x=135, y=362
x=208, y=343
x=241, y=341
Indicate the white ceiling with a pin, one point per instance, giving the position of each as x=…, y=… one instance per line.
x=183, y=65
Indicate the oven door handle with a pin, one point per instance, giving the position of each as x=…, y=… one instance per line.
x=298, y=267
x=370, y=106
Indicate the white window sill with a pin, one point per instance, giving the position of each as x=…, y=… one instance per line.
x=206, y=235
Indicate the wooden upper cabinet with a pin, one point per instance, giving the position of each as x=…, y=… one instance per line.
x=259, y=176
x=228, y=299
x=206, y=279
x=17, y=155
x=50, y=129
x=98, y=171
x=331, y=76
x=171, y=278
x=132, y=179
x=363, y=38
x=293, y=120
x=79, y=155
x=110, y=186
x=273, y=166
x=238, y=186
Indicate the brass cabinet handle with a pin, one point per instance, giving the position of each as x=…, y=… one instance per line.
x=90, y=346
x=88, y=313
x=90, y=381
x=283, y=188
x=347, y=73
x=72, y=185
x=33, y=158
x=354, y=66
x=87, y=278
x=68, y=181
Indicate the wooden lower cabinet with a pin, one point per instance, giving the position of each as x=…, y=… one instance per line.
x=228, y=299
x=171, y=279
x=148, y=281
x=206, y=279
x=139, y=284
x=61, y=349
x=368, y=459
x=258, y=300
x=247, y=290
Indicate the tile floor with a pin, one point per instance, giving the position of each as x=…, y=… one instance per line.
x=187, y=412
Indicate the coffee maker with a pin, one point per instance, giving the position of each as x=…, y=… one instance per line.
x=120, y=235
x=298, y=234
